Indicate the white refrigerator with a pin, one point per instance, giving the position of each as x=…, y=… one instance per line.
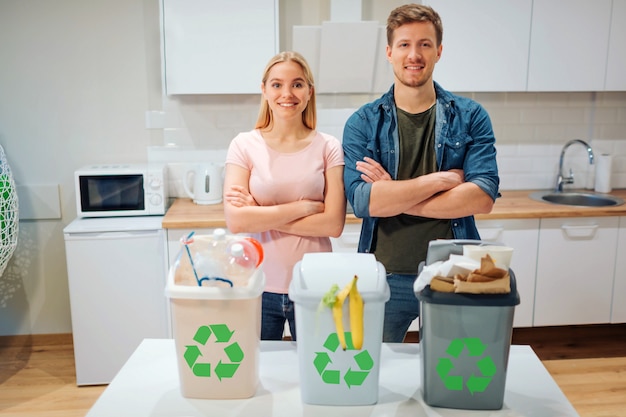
x=117, y=271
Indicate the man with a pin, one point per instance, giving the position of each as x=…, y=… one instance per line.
x=420, y=162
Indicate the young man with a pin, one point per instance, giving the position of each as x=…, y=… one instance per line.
x=420, y=162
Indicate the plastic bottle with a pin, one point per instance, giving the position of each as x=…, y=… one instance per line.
x=210, y=255
x=243, y=258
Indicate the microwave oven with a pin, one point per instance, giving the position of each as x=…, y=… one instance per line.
x=121, y=190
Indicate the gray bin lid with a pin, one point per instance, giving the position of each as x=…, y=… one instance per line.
x=462, y=299
x=439, y=250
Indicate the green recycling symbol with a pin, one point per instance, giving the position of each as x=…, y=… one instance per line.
x=485, y=365
x=222, y=335
x=352, y=377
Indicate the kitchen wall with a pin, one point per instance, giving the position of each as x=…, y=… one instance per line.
x=80, y=83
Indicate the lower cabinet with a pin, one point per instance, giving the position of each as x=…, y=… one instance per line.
x=523, y=236
x=575, y=270
x=349, y=239
x=618, y=304
x=568, y=270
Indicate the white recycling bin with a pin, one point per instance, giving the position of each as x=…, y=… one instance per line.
x=328, y=374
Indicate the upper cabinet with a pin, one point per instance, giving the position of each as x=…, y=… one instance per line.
x=616, y=63
x=222, y=47
x=569, y=43
x=532, y=45
x=485, y=44
x=216, y=46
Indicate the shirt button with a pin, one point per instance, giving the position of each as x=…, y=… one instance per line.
x=439, y=145
x=458, y=143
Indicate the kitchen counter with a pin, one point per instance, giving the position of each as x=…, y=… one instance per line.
x=184, y=214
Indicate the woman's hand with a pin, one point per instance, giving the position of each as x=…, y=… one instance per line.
x=239, y=196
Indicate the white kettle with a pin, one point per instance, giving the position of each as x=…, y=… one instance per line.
x=207, y=184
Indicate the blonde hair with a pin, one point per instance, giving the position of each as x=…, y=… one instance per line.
x=309, y=115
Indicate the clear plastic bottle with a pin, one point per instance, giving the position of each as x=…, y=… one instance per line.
x=211, y=256
x=243, y=258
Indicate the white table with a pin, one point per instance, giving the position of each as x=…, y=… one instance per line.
x=148, y=385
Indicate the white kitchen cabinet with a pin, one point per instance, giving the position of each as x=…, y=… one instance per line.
x=618, y=304
x=485, y=44
x=523, y=236
x=217, y=47
x=116, y=280
x=349, y=239
x=616, y=62
x=568, y=45
x=575, y=270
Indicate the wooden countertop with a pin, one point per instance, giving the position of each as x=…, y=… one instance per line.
x=184, y=214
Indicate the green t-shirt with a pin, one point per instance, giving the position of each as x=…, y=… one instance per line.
x=402, y=240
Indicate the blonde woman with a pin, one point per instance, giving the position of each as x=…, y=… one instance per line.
x=284, y=184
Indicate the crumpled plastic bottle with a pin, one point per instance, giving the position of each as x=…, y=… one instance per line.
x=220, y=259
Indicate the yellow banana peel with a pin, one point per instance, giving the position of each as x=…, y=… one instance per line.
x=356, y=315
x=338, y=313
x=355, y=301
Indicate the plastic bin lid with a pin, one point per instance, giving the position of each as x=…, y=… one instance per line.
x=314, y=275
x=462, y=299
x=440, y=250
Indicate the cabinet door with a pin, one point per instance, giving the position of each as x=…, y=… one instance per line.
x=618, y=305
x=349, y=239
x=485, y=44
x=217, y=47
x=575, y=270
x=523, y=236
x=615, y=74
x=568, y=45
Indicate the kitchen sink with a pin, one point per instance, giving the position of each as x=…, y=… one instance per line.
x=576, y=198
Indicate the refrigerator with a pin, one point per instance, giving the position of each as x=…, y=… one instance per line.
x=117, y=270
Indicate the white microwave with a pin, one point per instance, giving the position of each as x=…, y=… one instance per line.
x=121, y=190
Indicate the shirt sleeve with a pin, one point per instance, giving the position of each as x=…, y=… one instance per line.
x=236, y=154
x=334, y=152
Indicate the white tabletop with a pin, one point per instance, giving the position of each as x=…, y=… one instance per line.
x=148, y=385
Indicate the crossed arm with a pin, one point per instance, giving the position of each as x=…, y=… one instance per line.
x=439, y=195
x=302, y=217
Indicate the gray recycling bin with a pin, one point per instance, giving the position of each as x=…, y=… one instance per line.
x=464, y=342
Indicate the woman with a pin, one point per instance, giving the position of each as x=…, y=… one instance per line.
x=284, y=184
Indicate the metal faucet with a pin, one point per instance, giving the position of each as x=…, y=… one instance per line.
x=560, y=179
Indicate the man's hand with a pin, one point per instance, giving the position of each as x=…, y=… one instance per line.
x=371, y=171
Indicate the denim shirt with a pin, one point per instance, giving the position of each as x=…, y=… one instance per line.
x=464, y=140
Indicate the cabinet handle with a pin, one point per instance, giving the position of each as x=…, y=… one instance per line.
x=579, y=231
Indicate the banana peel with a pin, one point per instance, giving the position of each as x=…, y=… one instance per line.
x=356, y=315
x=335, y=301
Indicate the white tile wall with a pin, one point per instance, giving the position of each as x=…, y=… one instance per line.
x=530, y=128
x=524, y=167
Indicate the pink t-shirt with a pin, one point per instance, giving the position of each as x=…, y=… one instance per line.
x=277, y=178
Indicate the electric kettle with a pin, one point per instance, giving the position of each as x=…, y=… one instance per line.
x=207, y=184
